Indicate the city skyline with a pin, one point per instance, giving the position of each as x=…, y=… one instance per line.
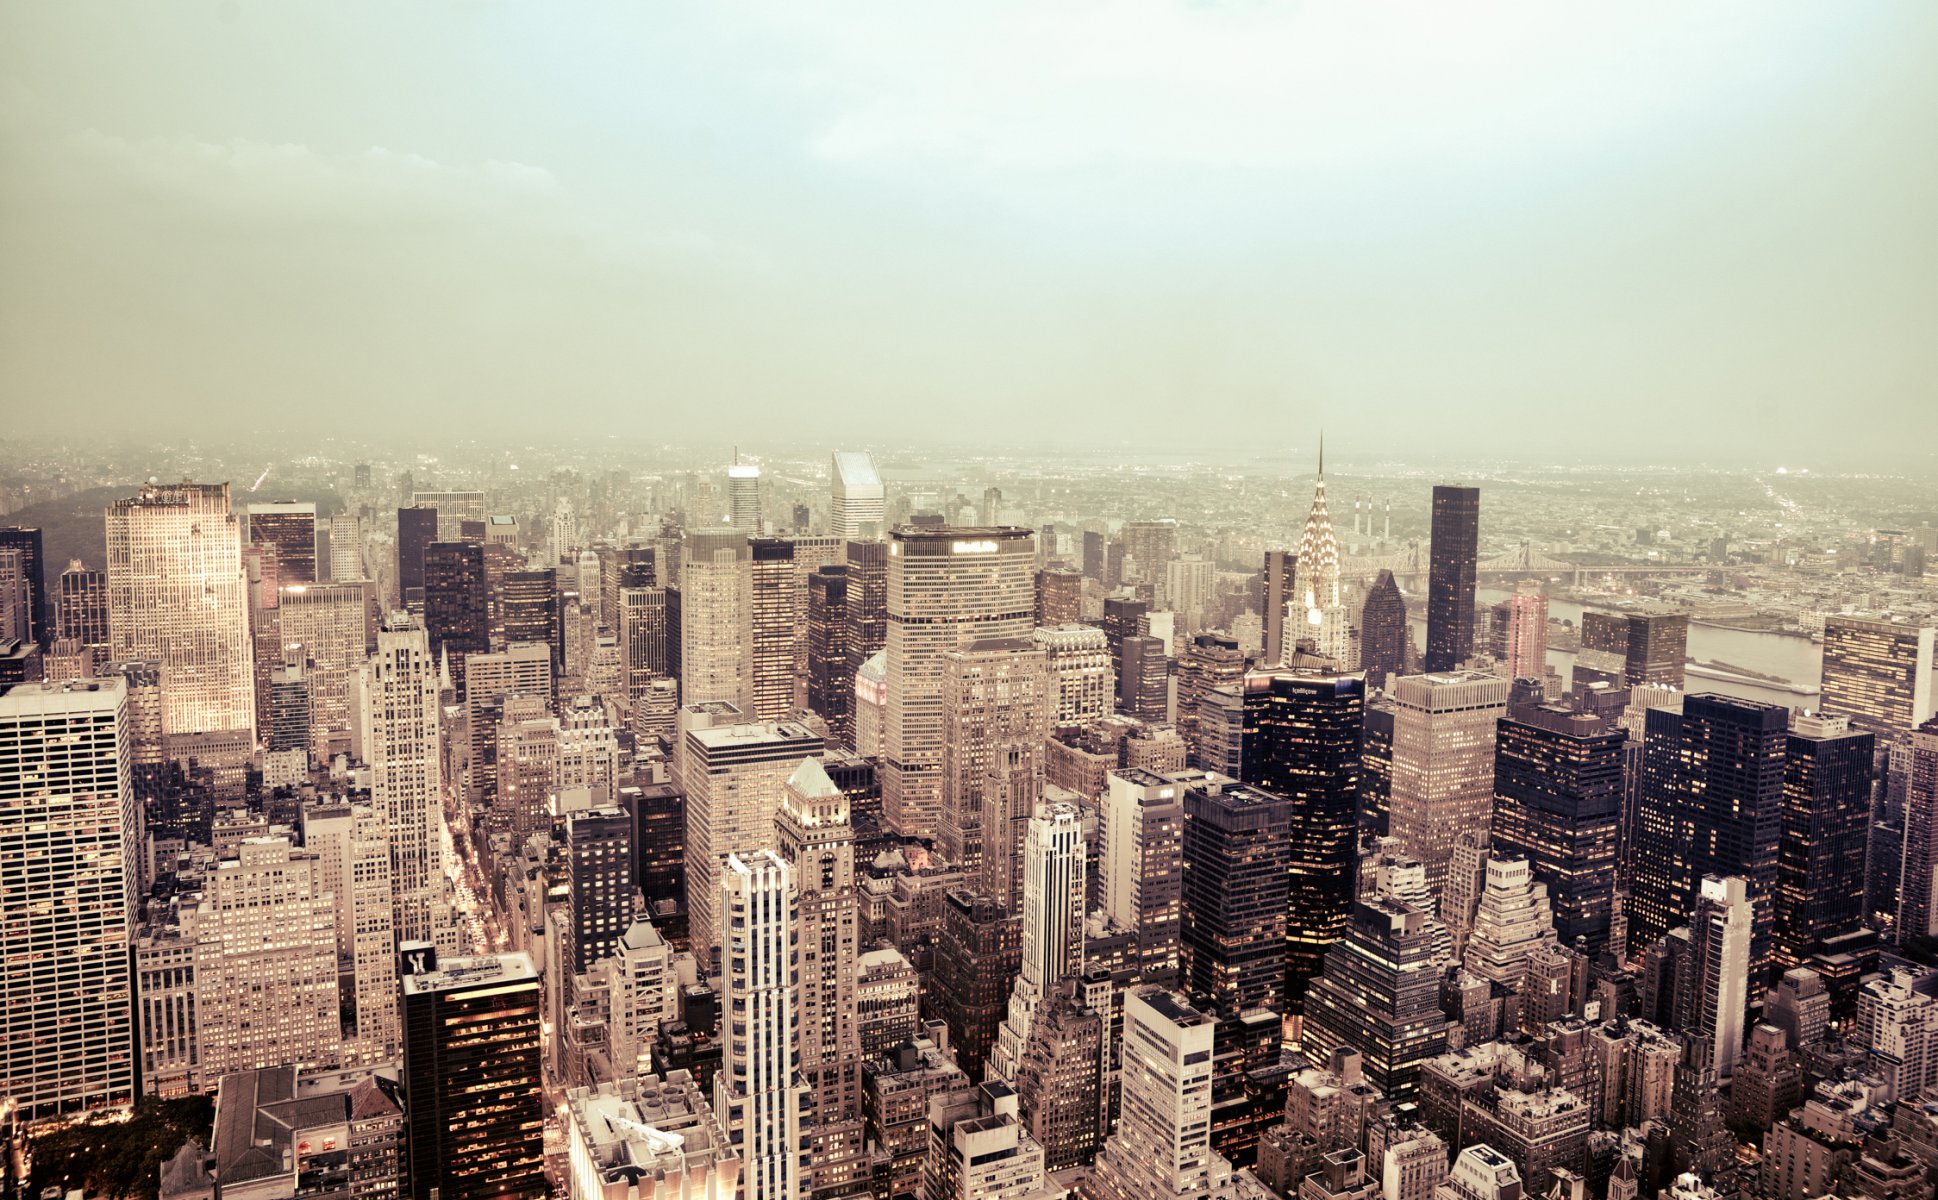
x=748, y=601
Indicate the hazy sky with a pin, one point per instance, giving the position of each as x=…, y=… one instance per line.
x=1709, y=227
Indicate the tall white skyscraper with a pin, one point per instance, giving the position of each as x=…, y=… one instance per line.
x=177, y=596
x=860, y=502
x=948, y=588
x=1162, y=1147
x=343, y=536
x=717, y=618
x=758, y=1091
x=1053, y=904
x=1721, y=932
x=68, y=825
x=399, y=708
x=743, y=498
x=816, y=838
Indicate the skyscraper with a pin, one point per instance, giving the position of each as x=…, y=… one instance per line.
x=416, y=530
x=978, y=951
x=1302, y=742
x=775, y=615
x=830, y=684
x=743, y=499
x=26, y=542
x=1880, y=673
x=598, y=844
x=399, y=707
x=1150, y=546
x=867, y=606
x=69, y=834
x=1711, y=804
x=1557, y=804
x=1632, y=649
x=330, y=623
x=266, y=968
x=1141, y=863
x=1382, y=632
x=815, y=837
x=457, y=604
x=1080, y=671
x=1827, y=777
x=1144, y=678
x=290, y=526
x=1053, y=913
x=1380, y=994
x=759, y=1090
x=83, y=605
x=176, y=596
x=1162, y=1147
x=643, y=634
x=340, y=547
x=1059, y=596
x=528, y=610
x=1527, y=631
x=1279, y=588
x=454, y=511
x=1443, y=763
x=859, y=502
x=1208, y=661
x=732, y=774
x=473, y=1094
x=947, y=588
x=1917, y=914
x=996, y=700
x=1321, y=615
x=1236, y=854
x=1454, y=559
x=717, y=618
x=1720, y=931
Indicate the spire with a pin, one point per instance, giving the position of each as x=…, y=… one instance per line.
x=1322, y=454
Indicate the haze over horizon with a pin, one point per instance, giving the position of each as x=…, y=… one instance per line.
x=1652, y=235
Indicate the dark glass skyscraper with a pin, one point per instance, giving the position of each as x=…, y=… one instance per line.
x=1710, y=804
x=1382, y=632
x=472, y=1091
x=1632, y=648
x=600, y=845
x=867, y=603
x=1557, y=803
x=529, y=602
x=33, y=564
x=83, y=607
x=416, y=530
x=1376, y=767
x=830, y=681
x=1827, y=775
x=457, y=614
x=1236, y=848
x=1280, y=586
x=1302, y=740
x=289, y=526
x=1452, y=572
x=1380, y=995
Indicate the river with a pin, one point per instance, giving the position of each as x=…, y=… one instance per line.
x=1799, y=660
